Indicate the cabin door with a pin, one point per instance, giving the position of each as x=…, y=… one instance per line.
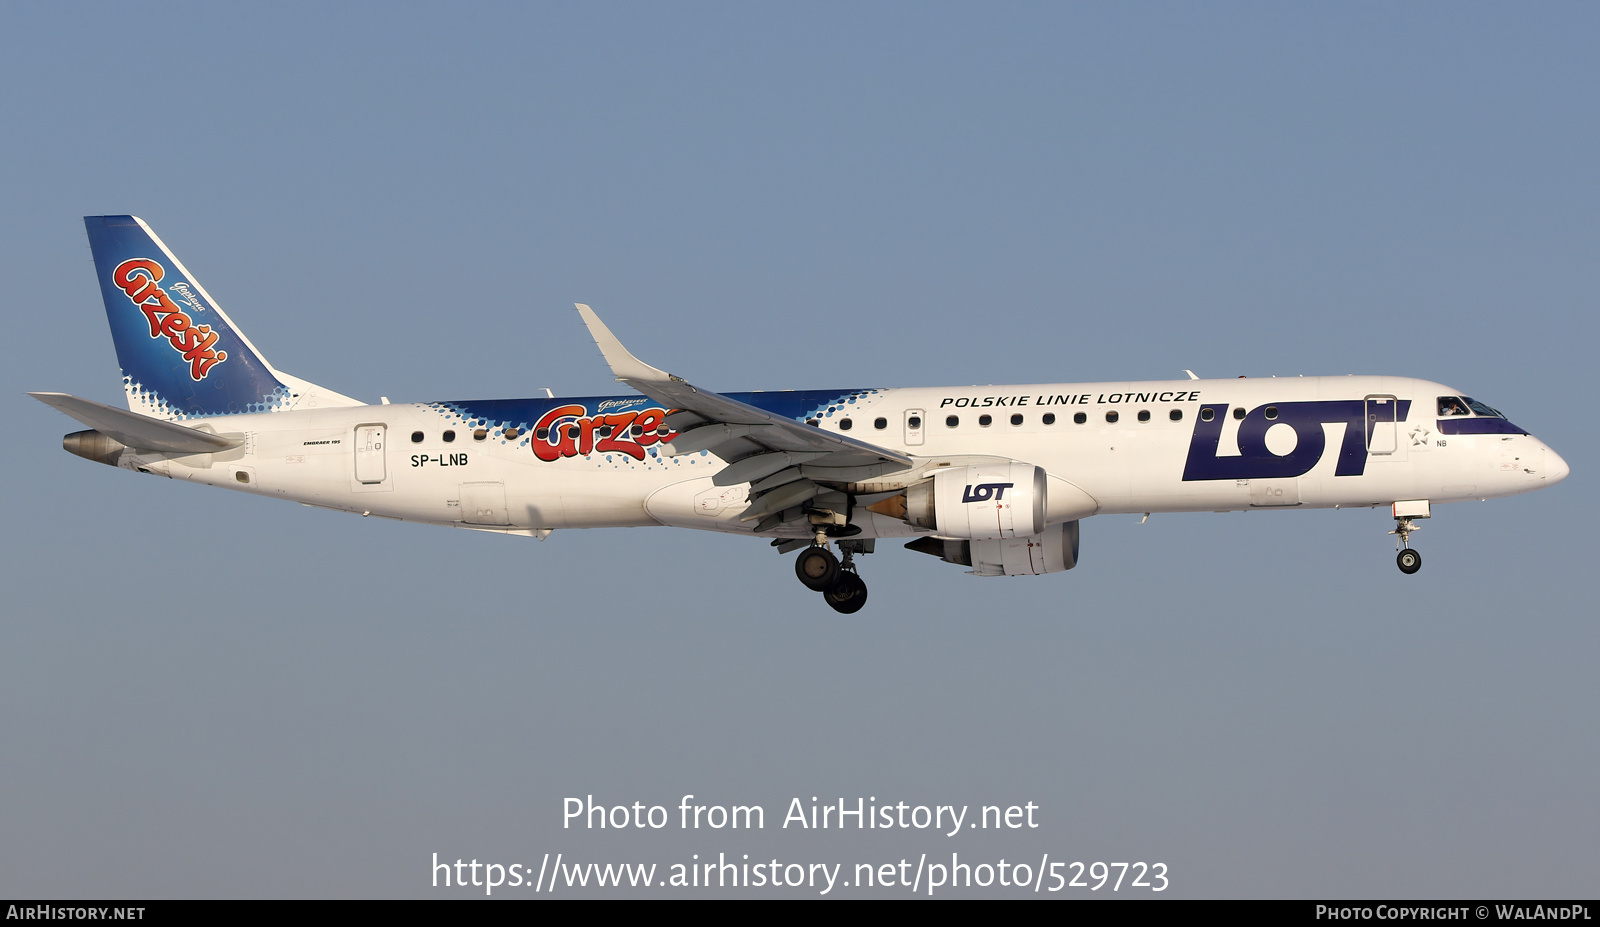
x=1381, y=425
x=369, y=454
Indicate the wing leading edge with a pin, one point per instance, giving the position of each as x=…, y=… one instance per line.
x=784, y=460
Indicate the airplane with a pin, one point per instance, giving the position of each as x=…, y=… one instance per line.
x=994, y=478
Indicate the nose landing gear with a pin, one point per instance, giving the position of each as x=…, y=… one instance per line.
x=1409, y=560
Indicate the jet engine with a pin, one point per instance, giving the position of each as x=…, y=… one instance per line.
x=988, y=501
x=1051, y=552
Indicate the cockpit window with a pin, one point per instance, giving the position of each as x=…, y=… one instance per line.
x=1465, y=405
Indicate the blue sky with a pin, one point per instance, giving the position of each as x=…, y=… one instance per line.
x=213, y=695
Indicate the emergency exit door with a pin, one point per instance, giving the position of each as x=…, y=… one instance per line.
x=913, y=421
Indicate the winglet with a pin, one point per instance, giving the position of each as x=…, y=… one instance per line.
x=624, y=366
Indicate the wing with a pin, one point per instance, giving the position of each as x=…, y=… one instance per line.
x=785, y=461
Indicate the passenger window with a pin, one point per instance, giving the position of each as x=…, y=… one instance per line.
x=636, y=431
x=416, y=437
x=914, y=421
x=1238, y=412
x=844, y=424
x=1016, y=419
x=542, y=434
x=449, y=436
x=985, y=420
x=1207, y=415
x=1080, y=418
x=1176, y=415
x=511, y=434
x=478, y=434
x=951, y=421
x=1049, y=418
x=1144, y=415
x=880, y=423
x=1272, y=413
x=1111, y=416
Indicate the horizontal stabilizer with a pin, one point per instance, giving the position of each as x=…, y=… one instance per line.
x=138, y=431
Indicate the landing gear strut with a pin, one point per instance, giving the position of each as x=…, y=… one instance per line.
x=1408, y=560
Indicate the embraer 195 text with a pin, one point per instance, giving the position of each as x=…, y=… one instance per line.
x=993, y=478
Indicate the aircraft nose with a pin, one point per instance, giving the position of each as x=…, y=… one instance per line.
x=1555, y=469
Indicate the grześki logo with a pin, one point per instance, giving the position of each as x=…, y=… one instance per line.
x=138, y=277
x=569, y=431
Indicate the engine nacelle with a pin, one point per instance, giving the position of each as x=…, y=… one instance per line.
x=991, y=501
x=1051, y=552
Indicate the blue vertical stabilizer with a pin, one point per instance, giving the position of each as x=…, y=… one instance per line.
x=181, y=356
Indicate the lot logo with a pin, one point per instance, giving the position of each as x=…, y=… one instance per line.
x=138, y=278
x=983, y=492
x=1306, y=419
x=570, y=431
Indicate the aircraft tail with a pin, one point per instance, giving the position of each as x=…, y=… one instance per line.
x=181, y=356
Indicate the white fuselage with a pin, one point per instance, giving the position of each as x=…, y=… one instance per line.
x=1313, y=442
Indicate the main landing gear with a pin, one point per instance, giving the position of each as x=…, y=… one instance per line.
x=821, y=571
x=817, y=568
x=848, y=594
